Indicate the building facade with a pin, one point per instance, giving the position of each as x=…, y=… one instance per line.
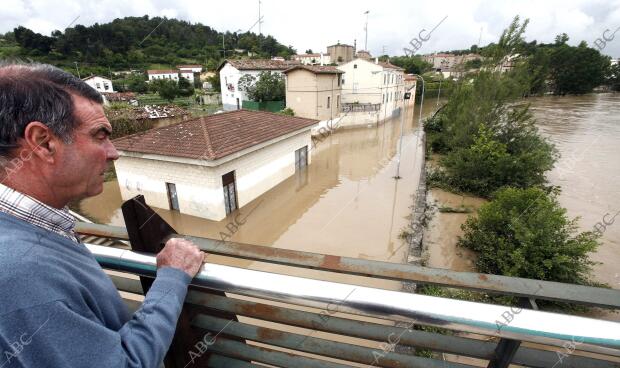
x=210, y=167
x=341, y=53
x=314, y=91
x=163, y=74
x=102, y=85
x=232, y=70
x=313, y=59
x=379, y=85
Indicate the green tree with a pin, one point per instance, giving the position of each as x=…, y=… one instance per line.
x=186, y=88
x=577, y=70
x=412, y=64
x=613, y=78
x=136, y=83
x=168, y=89
x=526, y=233
x=215, y=82
x=268, y=87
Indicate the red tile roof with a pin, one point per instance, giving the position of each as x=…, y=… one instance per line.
x=214, y=136
x=260, y=64
x=162, y=71
x=317, y=69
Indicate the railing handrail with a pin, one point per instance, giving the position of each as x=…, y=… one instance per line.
x=547, y=290
x=528, y=325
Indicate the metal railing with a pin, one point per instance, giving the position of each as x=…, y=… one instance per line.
x=367, y=107
x=289, y=321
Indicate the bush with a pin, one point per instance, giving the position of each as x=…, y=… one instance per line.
x=495, y=161
x=526, y=233
x=288, y=112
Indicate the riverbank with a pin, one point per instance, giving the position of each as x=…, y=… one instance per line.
x=585, y=130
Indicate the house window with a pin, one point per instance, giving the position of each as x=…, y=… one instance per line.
x=338, y=80
x=343, y=81
x=328, y=102
x=384, y=78
x=98, y=85
x=337, y=101
x=354, y=66
x=301, y=158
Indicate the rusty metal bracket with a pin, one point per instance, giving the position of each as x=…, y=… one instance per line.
x=148, y=233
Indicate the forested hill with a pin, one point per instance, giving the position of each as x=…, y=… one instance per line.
x=136, y=42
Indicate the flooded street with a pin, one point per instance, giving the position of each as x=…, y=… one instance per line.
x=346, y=204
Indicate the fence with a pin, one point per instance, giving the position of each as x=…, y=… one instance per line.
x=289, y=321
x=271, y=106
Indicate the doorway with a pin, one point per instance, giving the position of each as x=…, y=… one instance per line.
x=230, y=192
x=173, y=199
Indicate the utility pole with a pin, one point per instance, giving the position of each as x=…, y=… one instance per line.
x=77, y=69
x=366, y=29
x=407, y=96
x=223, y=47
x=383, y=50
x=438, y=94
x=260, y=32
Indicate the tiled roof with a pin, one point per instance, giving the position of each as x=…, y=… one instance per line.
x=162, y=71
x=261, y=64
x=387, y=65
x=214, y=136
x=317, y=69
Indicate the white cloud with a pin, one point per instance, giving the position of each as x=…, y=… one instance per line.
x=320, y=23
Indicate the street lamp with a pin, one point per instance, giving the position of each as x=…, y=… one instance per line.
x=407, y=96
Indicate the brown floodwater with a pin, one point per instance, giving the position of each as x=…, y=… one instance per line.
x=346, y=204
x=586, y=132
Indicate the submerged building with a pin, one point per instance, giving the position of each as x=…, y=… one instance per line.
x=210, y=166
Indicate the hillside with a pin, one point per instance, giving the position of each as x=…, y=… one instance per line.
x=136, y=43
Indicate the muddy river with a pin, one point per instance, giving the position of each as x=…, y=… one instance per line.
x=586, y=132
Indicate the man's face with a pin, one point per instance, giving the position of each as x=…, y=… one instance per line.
x=82, y=163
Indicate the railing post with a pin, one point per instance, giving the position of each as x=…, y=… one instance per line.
x=507, y=348
x=148, y=232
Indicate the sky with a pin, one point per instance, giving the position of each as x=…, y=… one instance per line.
x=316, y=24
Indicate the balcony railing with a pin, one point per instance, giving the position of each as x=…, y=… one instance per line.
x=287, y=321
x=367, y=107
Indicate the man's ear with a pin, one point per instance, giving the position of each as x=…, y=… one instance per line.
x=40, y=141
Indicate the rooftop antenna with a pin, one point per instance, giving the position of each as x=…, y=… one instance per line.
x=366, y=29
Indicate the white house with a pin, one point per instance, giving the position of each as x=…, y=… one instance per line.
x=211, y=166
x=371, y=85
x=313, y=59
x=99, y=83
x=231, y=70
x=163, y=74
x=192, y=68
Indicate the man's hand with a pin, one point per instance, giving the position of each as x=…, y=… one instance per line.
x=182, y=254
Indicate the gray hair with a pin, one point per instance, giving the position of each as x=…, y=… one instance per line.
x=38, y=92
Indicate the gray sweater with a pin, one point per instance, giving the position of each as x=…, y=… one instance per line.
x=59, y=309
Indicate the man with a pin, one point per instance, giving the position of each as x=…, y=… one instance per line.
x=57, y=306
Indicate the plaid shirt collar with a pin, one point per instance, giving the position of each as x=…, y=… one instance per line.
x=37, y=213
